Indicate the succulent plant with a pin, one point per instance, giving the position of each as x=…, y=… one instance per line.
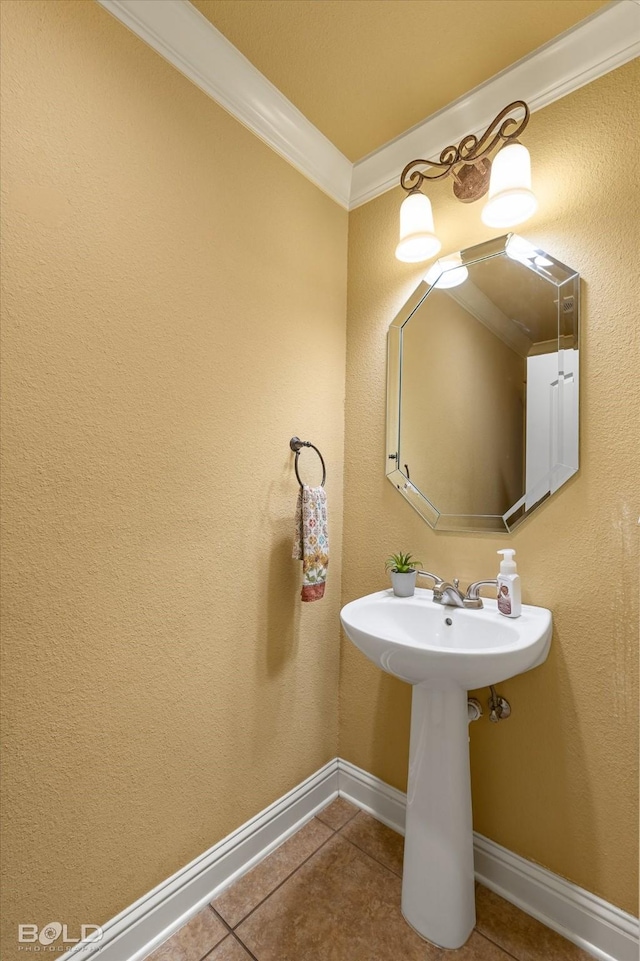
x=401, y=563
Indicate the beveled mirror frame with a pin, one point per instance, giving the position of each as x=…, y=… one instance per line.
x=567, y=283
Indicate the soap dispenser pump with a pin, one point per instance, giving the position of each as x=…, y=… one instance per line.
x=509, y=597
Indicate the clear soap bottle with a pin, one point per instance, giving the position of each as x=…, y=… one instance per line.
x=509, y=595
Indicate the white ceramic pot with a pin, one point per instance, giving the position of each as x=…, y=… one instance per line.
x=404, y=585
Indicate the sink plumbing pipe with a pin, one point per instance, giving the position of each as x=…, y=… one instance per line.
x=499, y=707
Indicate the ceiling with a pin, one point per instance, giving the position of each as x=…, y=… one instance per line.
x=364, y=71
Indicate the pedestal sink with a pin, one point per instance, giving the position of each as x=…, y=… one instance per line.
x=443, y=652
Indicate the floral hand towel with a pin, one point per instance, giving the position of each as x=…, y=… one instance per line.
x=311, y=541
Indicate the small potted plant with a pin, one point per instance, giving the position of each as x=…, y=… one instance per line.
x=403, y=572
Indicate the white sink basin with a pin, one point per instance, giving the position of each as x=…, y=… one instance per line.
x=443, y=652
x=422, y=642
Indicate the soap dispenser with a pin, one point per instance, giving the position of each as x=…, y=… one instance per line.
x=509, y=599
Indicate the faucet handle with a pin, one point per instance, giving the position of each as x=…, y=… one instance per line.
x=472, y=598
x=434, y=577
x=438, y=584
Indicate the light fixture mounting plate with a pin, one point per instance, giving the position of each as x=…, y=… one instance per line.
x=471, y=182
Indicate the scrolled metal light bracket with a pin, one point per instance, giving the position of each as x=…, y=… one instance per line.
x=468, y=163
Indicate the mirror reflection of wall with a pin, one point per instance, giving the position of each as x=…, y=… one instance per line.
x=463, y=387
x=483, y=388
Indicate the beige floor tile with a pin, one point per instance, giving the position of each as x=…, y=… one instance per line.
x=192, y=941
x=242, y=897
x=166, y=952
x=338, y=813
x=477, y=948
x=520, y=935
x=228, y=950
x=376, y=839
x=339, y=906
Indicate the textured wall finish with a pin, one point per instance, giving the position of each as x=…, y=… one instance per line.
x=166, y=331
x=558, y=782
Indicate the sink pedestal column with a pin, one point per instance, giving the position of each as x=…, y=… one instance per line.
x=438, y=890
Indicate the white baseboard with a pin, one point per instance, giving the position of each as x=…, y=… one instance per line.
x=595, y=925
x=598, y=927
x=368, y=792
x=150, y=920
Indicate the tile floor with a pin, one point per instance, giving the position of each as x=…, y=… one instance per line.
x=331, y=892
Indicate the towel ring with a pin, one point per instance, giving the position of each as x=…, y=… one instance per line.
x=296, y=444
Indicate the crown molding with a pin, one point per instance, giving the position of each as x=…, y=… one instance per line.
x=608, y=39
x=180, y=34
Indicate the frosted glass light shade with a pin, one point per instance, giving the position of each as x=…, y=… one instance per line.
x=417, y=238
x=511, y=200
x=447, y=272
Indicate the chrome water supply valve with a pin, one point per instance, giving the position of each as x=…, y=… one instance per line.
x=499, y=707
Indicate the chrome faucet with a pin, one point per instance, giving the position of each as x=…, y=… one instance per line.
x=448, y=593
x=443, y=591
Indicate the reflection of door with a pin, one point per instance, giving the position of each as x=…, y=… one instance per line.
x=552, y=436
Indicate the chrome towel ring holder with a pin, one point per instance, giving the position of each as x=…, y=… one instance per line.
x=296, y=445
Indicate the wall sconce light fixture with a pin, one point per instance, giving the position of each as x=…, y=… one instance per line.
x=507, y=180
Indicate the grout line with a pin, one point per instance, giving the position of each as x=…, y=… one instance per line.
x=232, y=933
x=488, y=937
x=216, y=946
x=497, y=944
x=175, y=934
x=396, y=874
x=263, y=861
x=284, y=881
x=244, y=946
x=356, y=812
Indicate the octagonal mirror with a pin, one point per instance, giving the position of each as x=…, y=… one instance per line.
x=482, y=387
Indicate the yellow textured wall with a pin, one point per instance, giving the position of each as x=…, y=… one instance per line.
x=174, y=311
x=557, y=783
